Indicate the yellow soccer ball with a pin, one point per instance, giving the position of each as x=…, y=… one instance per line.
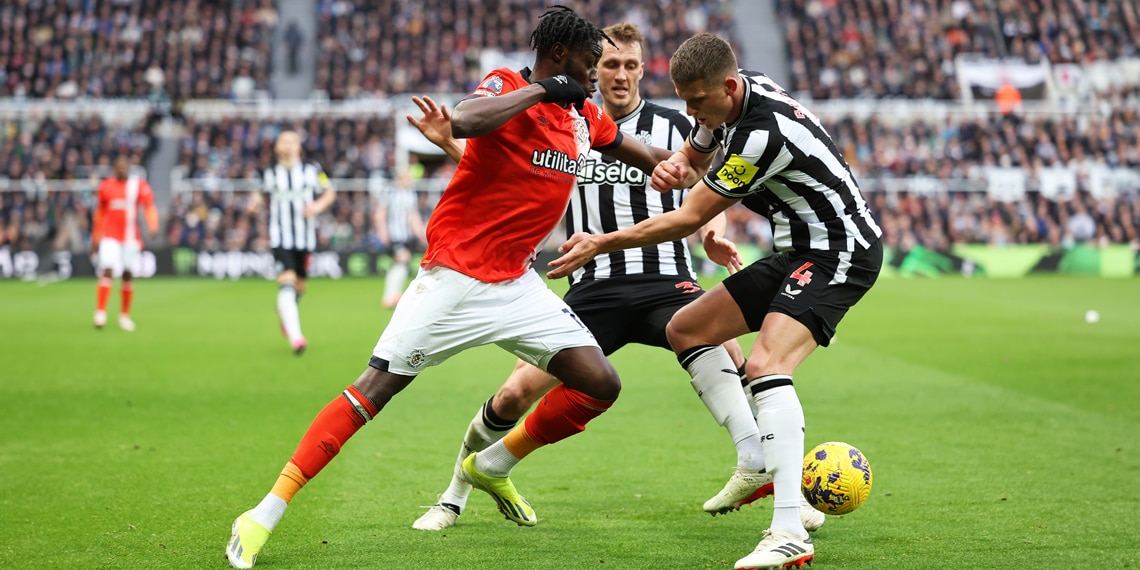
x=837, y=478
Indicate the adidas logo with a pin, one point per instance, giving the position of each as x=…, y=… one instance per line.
x=791, y=549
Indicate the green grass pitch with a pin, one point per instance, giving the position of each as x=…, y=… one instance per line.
x=1002, y=430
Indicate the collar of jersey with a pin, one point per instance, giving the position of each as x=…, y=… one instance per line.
x=747, y=99
x=632, y=114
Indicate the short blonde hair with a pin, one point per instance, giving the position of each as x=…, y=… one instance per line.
x=626, y=33
x=703, y=57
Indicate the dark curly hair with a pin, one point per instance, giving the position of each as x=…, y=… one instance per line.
x=561, y=25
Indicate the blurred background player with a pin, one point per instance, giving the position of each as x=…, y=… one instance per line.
x=115, y=236
x=294, y=204
x=624, y=297
x=782, y=164
x=400, y=230
x=528, y=131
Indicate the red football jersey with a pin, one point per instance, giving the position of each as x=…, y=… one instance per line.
x=512, y=185
x=119, y=202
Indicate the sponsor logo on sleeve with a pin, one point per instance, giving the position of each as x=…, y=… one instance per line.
x=736, y=172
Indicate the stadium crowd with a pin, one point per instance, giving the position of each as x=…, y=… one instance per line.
x=238, y=148
x=436, y=46
x=125, y=48
x=860, y=49
x=891, y=49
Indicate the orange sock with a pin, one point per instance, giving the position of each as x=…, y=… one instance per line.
x=128, y=292
x=289, y=482
x=561, y=413
x=519, y=442
x=102, y=293
x=337, y=422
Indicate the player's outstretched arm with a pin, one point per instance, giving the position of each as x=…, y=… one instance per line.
x=435, y=125
x=478, y=116
x=638, y=154
x=699, y=207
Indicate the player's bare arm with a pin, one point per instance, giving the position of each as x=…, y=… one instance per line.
x=698, y=209
x=478, y=116
x=150, y=213
x=638, y=154
x=682, y=169
x=435, y=125
x=323, y=201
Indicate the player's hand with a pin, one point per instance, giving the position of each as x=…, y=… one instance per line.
x=576, y=252
x=722, y=251
x=311, y=209
x=436, y=122
x=94, y=249
x=562, y=89
x=668, y=175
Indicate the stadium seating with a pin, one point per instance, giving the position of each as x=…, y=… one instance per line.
x=123, y=49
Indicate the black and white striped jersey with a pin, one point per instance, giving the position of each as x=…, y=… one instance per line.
x=786, y=167
x=289, y=190
x=612, y=195
x=398, y=204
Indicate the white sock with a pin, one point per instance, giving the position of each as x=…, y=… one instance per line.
x=479, y=435
x=287, y=310
x=496, y=461
x=781, y=423
x=269, y=511
x=394, y=280
x=718, y=384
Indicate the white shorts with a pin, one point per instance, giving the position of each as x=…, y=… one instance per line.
x=444, y=312
x=119, y=256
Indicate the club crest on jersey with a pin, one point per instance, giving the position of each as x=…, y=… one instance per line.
x=644, y=137
x=490, y=86
x=581, y=132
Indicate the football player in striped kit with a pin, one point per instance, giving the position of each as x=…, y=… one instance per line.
x=781, y=163
x=115, y=236
x=400, y=229
x=626, y=296
x=298, y=193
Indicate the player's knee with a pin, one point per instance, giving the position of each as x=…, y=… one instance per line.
x=588, y=371
x=512, y=401
x=679, y=333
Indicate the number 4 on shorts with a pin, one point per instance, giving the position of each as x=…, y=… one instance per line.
x=802, y=275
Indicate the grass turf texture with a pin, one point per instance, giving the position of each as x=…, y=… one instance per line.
x=1002, y=431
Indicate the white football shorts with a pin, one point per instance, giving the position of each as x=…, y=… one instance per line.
x=444, y=312
x=119, y=256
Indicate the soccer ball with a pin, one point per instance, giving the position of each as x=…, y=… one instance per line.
x=837, y=478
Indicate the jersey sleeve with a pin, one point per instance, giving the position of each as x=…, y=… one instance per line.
x=750, y=159
x=702, y=139
x=495, y=83
x=604, y=133
x=146, y=195
x=322, y=178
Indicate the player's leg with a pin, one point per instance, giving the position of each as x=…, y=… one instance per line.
x=289, y=268
x=110, y=258
x=497, y=416
x=405, y=348
x=338, y=421
x=130, y=263
x=540, y=328
x=396, y=276
x=653, y=303
x=698, y=333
